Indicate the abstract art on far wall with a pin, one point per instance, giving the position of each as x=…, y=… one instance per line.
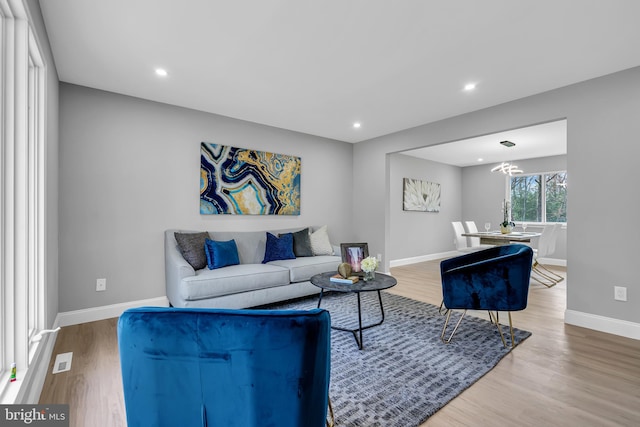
x=420, y=195
x=248, y=182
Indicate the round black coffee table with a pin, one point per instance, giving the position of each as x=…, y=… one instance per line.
x=381, y=281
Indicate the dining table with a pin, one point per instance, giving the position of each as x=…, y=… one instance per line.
x=499, y=238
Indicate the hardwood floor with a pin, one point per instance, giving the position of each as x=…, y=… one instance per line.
x=561, y=376
x=93, y=386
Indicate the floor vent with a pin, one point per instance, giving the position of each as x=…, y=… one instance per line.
x=62, y=363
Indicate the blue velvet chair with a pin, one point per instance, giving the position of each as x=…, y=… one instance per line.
x=216, y=367
x=494, y=279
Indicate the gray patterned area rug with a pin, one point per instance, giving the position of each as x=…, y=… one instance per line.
x=404, y=373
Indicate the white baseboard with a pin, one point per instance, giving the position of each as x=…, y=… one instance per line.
x=619, y=327
x=421, y=258
x=77, y=317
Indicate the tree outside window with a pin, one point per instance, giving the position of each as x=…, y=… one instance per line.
x=539, y=198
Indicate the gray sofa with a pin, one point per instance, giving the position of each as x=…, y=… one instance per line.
x=248, y=284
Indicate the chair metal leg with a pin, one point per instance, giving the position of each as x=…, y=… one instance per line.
x=550, y=273
x=440, y=311
x=513, y=338
x=494, y=318
x=331, y=422
x=545, y=277
x=542, y=279
x=496, y=322
x=446, y=322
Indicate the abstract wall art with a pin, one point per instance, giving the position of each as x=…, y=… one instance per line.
x=248, y=182
x=420, y=195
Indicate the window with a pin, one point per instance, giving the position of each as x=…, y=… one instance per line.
x=35, y=193
x=539, y=197
x=22, y=195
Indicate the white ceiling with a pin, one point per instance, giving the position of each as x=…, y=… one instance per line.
x=548, y=139
x=318, y=66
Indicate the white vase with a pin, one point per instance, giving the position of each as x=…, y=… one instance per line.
x=505, y=229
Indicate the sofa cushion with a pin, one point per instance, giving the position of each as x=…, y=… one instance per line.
x=320, y=242
x=231, y=280
x=191, y=247
x=278, y=247
x=301, y=269
x=302, y=243
x=221, y=254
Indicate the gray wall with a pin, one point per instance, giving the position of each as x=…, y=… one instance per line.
x=415, y=234
x=51, y=164
x=129, y=169
x=602, y=130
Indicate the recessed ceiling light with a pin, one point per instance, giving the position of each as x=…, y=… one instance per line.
x=356, y=125
x=480, y=159
x=161, y=72
x=469, y=86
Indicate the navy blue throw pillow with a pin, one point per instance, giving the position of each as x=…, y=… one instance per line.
x=221, y=254
x=278, y=248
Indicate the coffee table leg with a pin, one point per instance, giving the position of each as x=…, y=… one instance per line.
x=357, y=333
x=381, y=308
x=320, y=299
x=360, y=342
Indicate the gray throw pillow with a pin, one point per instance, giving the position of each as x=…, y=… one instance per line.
x=191, y=247
x=301, y=243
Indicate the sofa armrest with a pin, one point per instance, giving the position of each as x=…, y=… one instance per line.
x=176, y=268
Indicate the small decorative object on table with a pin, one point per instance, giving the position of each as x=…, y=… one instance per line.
x=369, y=265
x=337, y=278
x=344, y=275
x=344, y=269
x=506, y=225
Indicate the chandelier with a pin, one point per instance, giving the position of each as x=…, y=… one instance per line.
x=507, y=168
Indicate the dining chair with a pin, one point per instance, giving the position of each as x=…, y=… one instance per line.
x=460, y=241
x=221, y=367
x=546, y=247
x=474, y=242
x=495, y=279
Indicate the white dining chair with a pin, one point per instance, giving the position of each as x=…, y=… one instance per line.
x=460, y=241
x=474, y=242
x=546, y=247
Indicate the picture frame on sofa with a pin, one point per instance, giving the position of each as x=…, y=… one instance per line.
x=353, y=254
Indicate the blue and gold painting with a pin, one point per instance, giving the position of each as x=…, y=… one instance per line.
x=239, y=181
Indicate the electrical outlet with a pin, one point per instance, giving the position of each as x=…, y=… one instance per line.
x=620, y=293
x=101, y=285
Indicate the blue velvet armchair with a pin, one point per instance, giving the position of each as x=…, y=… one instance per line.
x=495, y=279
x=215, y=367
